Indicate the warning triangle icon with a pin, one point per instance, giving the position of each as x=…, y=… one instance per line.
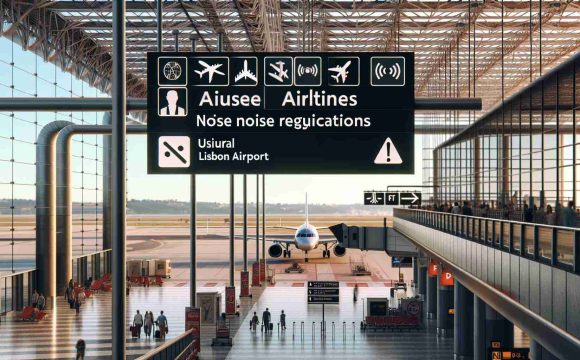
x=388, y=154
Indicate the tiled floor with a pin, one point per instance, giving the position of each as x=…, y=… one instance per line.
x=348, y=342
x=54, y=338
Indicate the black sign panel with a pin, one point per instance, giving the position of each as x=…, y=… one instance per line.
x=323, y=292
x=508, y=353
x=410, y=198
x=311, y=113
x=323, y=284
x=323, y=299
x=333, y=292
x=392, y=198
x=374, y=198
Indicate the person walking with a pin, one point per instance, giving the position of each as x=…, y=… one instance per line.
x=254, y=322
x=148, y=323
x=466, y=209
x=569, y=215
x=283, y=320
x=81, y=347
x=266, y=320
x=35, y=297
x=550, y=215
x=78, y=302
x=163, y=325
x=41, y=302
x=138, y=323
x=456, y=209
x=355, y=293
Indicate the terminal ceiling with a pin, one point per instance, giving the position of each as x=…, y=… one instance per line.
x=457, y=44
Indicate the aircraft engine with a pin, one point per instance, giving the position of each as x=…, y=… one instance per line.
x=338, y=250
x=275, y=250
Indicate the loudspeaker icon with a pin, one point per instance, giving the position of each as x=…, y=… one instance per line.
x=393, y=71
x=309, y=70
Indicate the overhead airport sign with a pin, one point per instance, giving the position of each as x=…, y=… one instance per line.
x=323, y=292
x=299, y=113
x=392, y=198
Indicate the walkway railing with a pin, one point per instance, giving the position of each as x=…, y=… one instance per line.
x=557, y=246
x=93, y=265
x=179, y=348
x=16, y=289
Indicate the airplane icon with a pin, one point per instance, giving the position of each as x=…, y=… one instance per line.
x=209, y=69
x=281, y=73
x=340, y=71
x=246, y=74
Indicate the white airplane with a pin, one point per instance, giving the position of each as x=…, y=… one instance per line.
x=209, y=69
x=281, y=73
x=341, y=72
x=245, y=73
x=306, y=238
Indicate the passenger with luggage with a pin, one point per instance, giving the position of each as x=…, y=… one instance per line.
x=283, y=320
x=266, y=320
x=148, y=323
x=163, y=325
x=137, y=324
x=254, y=322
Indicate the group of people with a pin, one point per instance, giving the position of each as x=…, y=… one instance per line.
x=267, y=321
x=38, y=300
x=148, y=323
x=74, y=298
x=563, y=216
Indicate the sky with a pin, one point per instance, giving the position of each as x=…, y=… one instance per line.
x=322, y=189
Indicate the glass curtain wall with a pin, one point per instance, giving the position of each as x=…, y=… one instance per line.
x=24, y=74
x=524, y=153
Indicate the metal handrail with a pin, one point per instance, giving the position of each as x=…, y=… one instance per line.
x=91, y=254
x=173, y=346
x=17, y=273
x=502, y=237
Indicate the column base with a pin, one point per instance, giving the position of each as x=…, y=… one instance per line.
x=462, y=357
x=444, y=332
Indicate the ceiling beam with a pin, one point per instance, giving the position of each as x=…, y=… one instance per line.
x=456, y=38
x=213, y=18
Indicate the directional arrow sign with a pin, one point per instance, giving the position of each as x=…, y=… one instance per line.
x=323, y=284
x=323, y=292
x=333, y=292
x=323, y=299
x=410, y=198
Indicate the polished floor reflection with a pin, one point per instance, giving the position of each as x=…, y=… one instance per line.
x=348, y=341
x=55, y=337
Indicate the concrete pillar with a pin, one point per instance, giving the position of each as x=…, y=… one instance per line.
x=479, y=345
x=444, y=304
x=415, y=271
x=422, y=281
x=489, y=326
x=538, y=352
x=431, y=298
x=463, y=322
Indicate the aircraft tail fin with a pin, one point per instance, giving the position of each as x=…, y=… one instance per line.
x=306, y=210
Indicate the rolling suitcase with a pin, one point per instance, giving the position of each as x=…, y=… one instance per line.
x=157, y=334
x=134, y=331
x=271, y=326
